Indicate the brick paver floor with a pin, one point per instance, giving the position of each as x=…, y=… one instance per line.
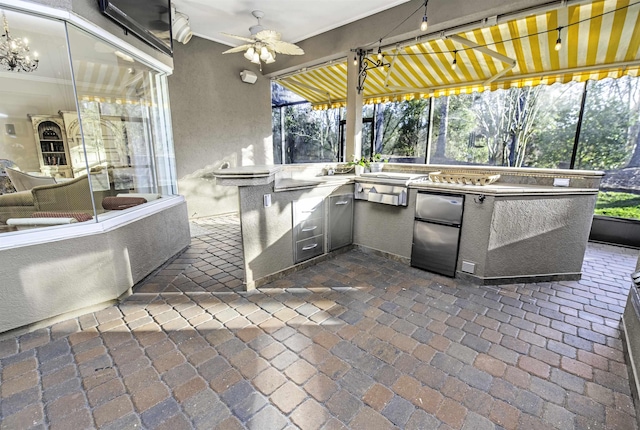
x=357, y=341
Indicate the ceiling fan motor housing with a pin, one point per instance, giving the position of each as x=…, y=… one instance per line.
x=255, y=29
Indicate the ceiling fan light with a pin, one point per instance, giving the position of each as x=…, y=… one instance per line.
x=270, y=60
x=249, y=54
x=256, y=58
x=264, y=53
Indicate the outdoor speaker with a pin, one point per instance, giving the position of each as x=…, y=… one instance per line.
x=248, y=76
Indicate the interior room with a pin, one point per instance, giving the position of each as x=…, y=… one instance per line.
x=366, y=214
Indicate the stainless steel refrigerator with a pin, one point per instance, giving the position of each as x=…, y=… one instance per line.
x=436, y=232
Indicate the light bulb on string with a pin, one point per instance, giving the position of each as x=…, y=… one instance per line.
x=380, y=51
x=424, y=24
x=559, y=41
x=355, y=60
x=454, y=65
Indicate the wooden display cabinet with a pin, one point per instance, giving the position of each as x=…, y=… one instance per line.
x=51, y=144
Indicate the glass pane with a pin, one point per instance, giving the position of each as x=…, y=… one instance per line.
x=32, y=132
x=554, y=130
x=609, y=141
x=123, y=139
x=311, y=136
x=530, y=126
x=401, y=130
x=276, y=128
x=367, y=138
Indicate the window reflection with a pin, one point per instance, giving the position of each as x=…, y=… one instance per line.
x=122, y=122
x=109, y=134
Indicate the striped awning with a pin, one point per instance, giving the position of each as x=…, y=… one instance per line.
x=600, y=39
x=100, y=81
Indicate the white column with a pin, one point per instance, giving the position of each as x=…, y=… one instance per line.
x=353, y=131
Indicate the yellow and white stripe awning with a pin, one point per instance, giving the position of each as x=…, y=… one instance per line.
x=600, y=39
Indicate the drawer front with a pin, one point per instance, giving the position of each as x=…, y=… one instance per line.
x=308, y=228
x=309, y=248
x=304, y=209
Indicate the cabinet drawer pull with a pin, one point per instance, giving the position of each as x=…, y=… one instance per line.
x=308, y=247
x=310, y=228
x=344, y=202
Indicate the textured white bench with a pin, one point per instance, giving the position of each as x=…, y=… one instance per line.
x=24, y=223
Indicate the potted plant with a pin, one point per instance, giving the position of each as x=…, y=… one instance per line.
x=361, y=165
x=377, y=162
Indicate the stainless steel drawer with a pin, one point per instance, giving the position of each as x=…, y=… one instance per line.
x=304, y=209
x=309, y=228
x=309, y=248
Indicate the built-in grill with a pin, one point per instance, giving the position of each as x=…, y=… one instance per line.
x=386, y=187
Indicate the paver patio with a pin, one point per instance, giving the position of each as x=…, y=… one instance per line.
x=357, y=341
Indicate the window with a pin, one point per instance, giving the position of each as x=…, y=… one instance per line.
x=577, y=125
x=96, y=129
x=401, y=130
x=518, y=127
x=301, y=134
x=610, y=140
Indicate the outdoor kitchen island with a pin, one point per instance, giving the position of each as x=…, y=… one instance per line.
x=521, y=228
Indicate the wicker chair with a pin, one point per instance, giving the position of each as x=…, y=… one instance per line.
x=70, y=196
x=23, y=181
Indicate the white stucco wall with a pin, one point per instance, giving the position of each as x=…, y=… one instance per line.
x=44, y=280
x=217, y=120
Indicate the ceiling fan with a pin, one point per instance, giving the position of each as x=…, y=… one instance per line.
x=263, y=44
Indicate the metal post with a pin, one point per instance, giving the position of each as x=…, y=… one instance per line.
x=574, y=152
x=427, y=155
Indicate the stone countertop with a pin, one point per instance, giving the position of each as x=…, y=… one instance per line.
x=502, y=189
x=497, y=188
x=284, y=180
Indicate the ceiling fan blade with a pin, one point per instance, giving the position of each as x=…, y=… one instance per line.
x=238, y=48
x=286, y=48
x=246, y=39
x=268, y=36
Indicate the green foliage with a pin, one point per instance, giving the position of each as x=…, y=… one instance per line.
x=359, y=162
x=404, y=128
x=622, y=205
x=604, y=143
x=460, y=120
x=311, y=136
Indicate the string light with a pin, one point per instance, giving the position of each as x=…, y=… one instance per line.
x=454, y=65
x=355, y=60
x=424, y=24
x=423, y=27
x=559, y=41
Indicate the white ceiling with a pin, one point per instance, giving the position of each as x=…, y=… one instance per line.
x=295, y=19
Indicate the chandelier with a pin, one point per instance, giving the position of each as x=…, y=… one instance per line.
x=14, y=53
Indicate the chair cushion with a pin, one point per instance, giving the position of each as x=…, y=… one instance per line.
x=79, y=216
x=147, y=196
x=120, y=203
x=21, y=198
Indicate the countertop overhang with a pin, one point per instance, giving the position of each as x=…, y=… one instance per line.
x=283, y=181
x=246, y=175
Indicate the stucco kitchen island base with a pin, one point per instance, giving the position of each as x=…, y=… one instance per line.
x=521, y=228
